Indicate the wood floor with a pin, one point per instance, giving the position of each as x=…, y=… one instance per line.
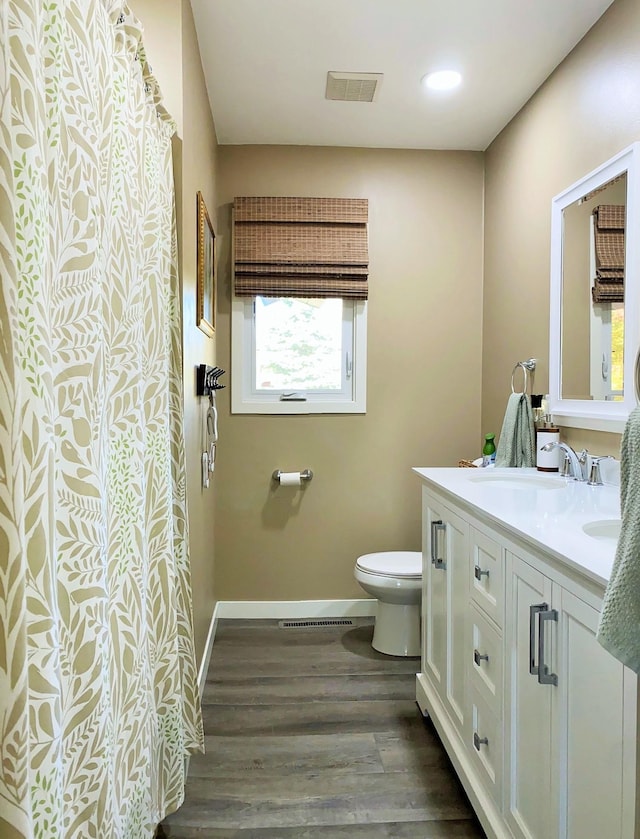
x=312, y=734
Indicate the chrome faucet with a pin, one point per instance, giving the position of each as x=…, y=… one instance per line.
x=575, y=465
x=595, y=478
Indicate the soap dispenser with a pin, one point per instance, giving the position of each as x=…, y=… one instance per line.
x=547, y=432
x=489, y=450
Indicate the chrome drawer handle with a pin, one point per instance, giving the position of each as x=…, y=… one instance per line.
x=436, y=527
x=533, y=611
x=479, y=741
x=479, y=573
x=544, y=676
x=477, y=657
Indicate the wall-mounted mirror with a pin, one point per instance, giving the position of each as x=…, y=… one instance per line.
x=595, y=296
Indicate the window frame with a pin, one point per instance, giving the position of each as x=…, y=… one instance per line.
x=245, y=399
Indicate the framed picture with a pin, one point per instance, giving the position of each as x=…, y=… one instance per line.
x=206, y=295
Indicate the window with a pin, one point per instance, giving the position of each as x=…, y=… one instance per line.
x=298, y=355
x=300, y=286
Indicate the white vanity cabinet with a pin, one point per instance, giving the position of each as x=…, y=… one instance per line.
x=542, y=732
x=570, y=732
x=528, y=704
x=445, y=579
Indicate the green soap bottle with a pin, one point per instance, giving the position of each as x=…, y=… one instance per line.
x=489, y=450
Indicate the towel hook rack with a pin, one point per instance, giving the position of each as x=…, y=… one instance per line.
x=528, y=366
x=207, y=380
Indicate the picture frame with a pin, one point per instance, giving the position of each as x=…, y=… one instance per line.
x=206, y=277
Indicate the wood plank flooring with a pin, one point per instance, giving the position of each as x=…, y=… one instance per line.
x=312, y=734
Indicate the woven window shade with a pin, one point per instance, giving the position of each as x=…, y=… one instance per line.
x=608, y=285
x=602, y=188
x=301, y=247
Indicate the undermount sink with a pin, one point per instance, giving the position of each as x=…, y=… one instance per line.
x=605, y=529
x=519, y=481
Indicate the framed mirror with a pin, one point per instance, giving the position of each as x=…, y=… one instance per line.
x=595, y=296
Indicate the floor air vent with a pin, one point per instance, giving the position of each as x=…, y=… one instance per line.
x=325, y=622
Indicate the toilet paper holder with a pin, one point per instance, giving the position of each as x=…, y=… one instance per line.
x=305, y=476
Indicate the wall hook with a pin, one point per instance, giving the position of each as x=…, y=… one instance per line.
x=207, y=379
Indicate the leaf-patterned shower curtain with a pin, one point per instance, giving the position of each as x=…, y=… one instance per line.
x=98, y=688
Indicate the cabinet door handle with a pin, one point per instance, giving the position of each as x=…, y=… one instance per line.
x=478, y=573
x=436, y=527
x=544, y=676
x=533, y=611
x=478, y=657
x=479, y=741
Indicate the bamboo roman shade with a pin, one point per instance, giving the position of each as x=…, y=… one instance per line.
x=608, y=285
x=301, y=247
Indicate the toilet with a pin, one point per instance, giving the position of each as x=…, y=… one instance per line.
x=394, y=578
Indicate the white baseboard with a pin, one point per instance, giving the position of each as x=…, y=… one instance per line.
x=208, y=647
x=265, y=609
x=274, y=609
x=203, y=670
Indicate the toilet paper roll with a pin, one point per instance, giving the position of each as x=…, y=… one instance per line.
x=290, y=479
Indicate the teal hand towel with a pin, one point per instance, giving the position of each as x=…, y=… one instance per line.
x=517, y=443
x=619, y=626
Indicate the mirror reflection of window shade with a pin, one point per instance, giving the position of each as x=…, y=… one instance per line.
x=621, y=177
x=608, y=284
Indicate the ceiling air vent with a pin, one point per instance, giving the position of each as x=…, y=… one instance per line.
x=353, y=87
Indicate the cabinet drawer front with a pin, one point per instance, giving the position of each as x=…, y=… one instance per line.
x=588, y=717
x=485, y=659
x=485, y=746
x=487, y=575
x=445, y=562
x=530, y=802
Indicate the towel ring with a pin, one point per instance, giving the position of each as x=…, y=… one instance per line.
x=527, y=367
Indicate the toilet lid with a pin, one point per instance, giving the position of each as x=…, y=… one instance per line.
x=407, y=564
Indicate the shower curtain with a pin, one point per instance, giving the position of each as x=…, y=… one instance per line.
x=98, y=691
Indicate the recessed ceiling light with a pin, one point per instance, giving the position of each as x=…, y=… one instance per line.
x=442, y=80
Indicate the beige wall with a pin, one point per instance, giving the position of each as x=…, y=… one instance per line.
x=588, y=110
x=172, y=51
x=199, y=172
x=162, y=25
x=424, y=318
x=428, y=318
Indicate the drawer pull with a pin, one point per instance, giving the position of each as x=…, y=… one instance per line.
x=478, y=657
x=437, y=561
x=533, y=611
x=479, y=741
x=544, y=676
x=478, y=573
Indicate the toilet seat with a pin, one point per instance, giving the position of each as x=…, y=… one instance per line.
x=394, y=579
x=404, y=564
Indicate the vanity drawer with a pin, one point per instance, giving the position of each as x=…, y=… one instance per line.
x=487, y=575
x=486, y=746
x=486, y=659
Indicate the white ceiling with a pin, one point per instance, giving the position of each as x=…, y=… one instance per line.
x=266, y=64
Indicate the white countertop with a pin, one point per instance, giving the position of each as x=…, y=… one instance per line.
x=548, y=518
